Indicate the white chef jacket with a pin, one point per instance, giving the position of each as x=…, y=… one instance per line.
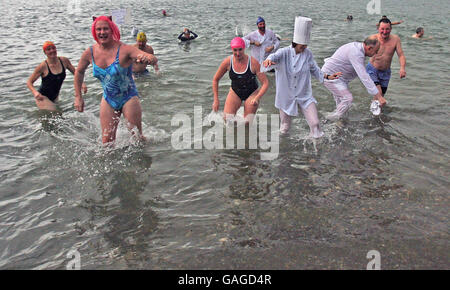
x=349, y=59
x=293, y=78
x=266, y=40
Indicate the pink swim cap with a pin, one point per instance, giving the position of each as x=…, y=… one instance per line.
x=112, y=26
x=237, y=42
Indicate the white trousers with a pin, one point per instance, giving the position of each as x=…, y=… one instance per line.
x=342, y=96
x=311, y=117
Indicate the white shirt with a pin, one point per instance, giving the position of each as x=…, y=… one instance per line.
x=293, y=77
x=349, y=59
x=266, y=40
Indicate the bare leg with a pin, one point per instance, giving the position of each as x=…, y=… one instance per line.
x=109, y=120
x=285, y=123
x=132, y=112
x=232, y=104
x=46, y=104
x=312, y=118
x=249, y=109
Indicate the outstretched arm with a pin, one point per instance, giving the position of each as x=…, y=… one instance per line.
x=84, y=62
x=397, y=22
x=262, y=79
x=315, y=70
x=138, y=55
x=149, y=49
x=71, y=68
x=215, y=85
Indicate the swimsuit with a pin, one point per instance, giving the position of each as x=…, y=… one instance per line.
x=51, y=83
x=243, y=84
x=117, y=82
x=379, y=77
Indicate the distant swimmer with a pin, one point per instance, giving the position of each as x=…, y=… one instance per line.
x=294, y=66
x=134, y=31
x=349, y=59
x=379, y=66
x=262, y=41
x=164, y=13
x=112, y=64
x=349, y=17
x=243, y=71
x=53, y=72
x=419, y=34
x=186, y=35
x=392, y=23
x=140, y=68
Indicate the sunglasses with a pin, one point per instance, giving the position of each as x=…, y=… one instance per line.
x=237, y=49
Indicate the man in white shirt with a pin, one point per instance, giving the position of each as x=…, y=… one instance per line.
x=262, y=41
x=349, y=59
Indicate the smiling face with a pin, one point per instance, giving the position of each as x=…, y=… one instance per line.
x=384, y=30
x=50, y=51
x=103, y=32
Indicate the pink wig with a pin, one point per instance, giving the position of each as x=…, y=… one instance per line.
x=112, y=26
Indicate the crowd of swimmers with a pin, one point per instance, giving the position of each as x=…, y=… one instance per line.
x=114, y=64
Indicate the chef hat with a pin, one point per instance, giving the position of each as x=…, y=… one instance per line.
x=302, y=30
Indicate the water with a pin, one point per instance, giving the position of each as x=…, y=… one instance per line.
x=370, y=184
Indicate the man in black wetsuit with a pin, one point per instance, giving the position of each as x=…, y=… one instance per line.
x=186, y=35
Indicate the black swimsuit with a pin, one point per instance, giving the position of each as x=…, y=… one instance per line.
x=243, y=84
x=51, y=83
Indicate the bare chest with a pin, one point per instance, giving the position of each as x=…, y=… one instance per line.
x=387, y=50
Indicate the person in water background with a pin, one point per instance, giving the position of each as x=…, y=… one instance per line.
x=262, y=41
x=141, y=43
x=186, y=35
x=53, y=73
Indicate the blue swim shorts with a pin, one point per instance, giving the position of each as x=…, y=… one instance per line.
x=379, y=77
